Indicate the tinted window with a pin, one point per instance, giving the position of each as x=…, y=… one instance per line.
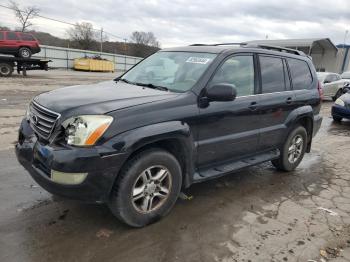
x=237, y=71
x=301, y=75
x=272, y=74
x=12, y=36
x=27, y=37
x=1, y=35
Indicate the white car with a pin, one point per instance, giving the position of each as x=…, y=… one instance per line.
x=332, y=84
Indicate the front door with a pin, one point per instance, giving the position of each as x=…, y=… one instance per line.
x=230, y=130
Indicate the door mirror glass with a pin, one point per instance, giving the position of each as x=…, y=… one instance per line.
x=221, y=92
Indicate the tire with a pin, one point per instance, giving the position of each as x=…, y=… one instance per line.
x=338, y=94
x=6, y=69
x=133, y=189
x=24, y=52
x=337, y=119
x=284, y=162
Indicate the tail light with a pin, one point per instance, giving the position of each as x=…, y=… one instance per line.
x=320, y=90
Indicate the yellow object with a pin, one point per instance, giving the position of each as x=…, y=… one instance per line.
x=67, y=178
x=88, y=64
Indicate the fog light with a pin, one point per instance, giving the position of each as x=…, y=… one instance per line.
x=67, y=178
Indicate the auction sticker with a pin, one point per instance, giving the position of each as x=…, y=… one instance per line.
x=198, y=60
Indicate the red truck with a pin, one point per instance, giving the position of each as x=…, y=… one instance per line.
x=18, y=44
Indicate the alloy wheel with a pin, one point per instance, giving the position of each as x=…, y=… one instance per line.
x=295, y=149
x=151, y=189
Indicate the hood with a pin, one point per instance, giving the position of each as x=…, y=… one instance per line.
x=99, y=98
x=346, y=98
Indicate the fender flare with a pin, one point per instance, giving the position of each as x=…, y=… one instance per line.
x=131, y=141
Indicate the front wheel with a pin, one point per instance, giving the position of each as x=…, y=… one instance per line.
x=293, y=150
x=337, y=119
x=147, y=188
x=338, y=94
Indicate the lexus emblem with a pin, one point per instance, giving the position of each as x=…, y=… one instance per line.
x=35, y=119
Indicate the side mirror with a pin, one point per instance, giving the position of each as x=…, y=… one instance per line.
x=221, y=92
x=326, y=81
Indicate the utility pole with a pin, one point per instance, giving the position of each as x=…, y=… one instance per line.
x=345, y=35
x=101, y=47
x=125, y=47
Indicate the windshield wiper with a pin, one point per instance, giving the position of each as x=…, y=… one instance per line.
x=123, y=80
x=153, y=86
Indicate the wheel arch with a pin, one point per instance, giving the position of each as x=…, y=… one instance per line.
x=174, y=137
x=302, y=116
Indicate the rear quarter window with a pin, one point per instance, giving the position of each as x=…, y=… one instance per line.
x=2, y=37
x=301, y=74
x=27, y=37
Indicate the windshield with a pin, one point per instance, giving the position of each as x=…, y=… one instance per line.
x=176, y=71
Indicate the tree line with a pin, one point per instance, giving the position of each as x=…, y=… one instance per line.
x=84, y=36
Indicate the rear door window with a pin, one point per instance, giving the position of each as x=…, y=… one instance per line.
x=2, y=37
x=27, y=37
x=301, y=74
x=12, y=36
x=272, y=74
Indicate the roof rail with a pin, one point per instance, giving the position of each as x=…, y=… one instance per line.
x=218, y=44
x=262, y=46
x=275, y=48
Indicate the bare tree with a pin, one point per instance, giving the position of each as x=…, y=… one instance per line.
x=144, y=38
x=83, y=34
x=24, y=15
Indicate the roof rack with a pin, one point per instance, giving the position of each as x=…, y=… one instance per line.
x=262, y=46
x=217, y=44
x=275, y=48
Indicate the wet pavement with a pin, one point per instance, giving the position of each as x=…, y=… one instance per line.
x=258, y=214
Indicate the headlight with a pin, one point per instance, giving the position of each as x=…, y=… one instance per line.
x=340, y=102
x=85, y=130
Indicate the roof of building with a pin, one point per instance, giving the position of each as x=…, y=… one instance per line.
x=315, y=43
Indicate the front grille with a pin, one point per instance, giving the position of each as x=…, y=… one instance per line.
x=42, y=120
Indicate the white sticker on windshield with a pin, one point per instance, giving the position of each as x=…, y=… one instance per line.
x=198, y=60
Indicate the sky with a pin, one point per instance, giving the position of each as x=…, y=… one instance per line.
x=184, y=22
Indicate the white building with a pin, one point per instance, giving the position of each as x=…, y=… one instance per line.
x=326, y=56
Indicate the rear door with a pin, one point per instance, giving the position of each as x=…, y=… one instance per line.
x=276, y=101
x=330, y=86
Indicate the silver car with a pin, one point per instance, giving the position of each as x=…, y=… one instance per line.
x=332, y=84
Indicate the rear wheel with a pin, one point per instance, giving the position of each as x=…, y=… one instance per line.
x=147, y=188
x=6, y=69
x=293, y=150
x=24, y=52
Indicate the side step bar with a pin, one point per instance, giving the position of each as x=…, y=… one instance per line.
x=223, y=169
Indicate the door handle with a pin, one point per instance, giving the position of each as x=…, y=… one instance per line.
x=253, y=106
x=289, y=100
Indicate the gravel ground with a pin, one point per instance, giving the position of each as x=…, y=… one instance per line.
x=258, y=214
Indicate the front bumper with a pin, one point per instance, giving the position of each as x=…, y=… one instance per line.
x=341, y=111
x=101, y=163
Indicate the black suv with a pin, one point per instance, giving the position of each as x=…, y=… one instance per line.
x=181, y=116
